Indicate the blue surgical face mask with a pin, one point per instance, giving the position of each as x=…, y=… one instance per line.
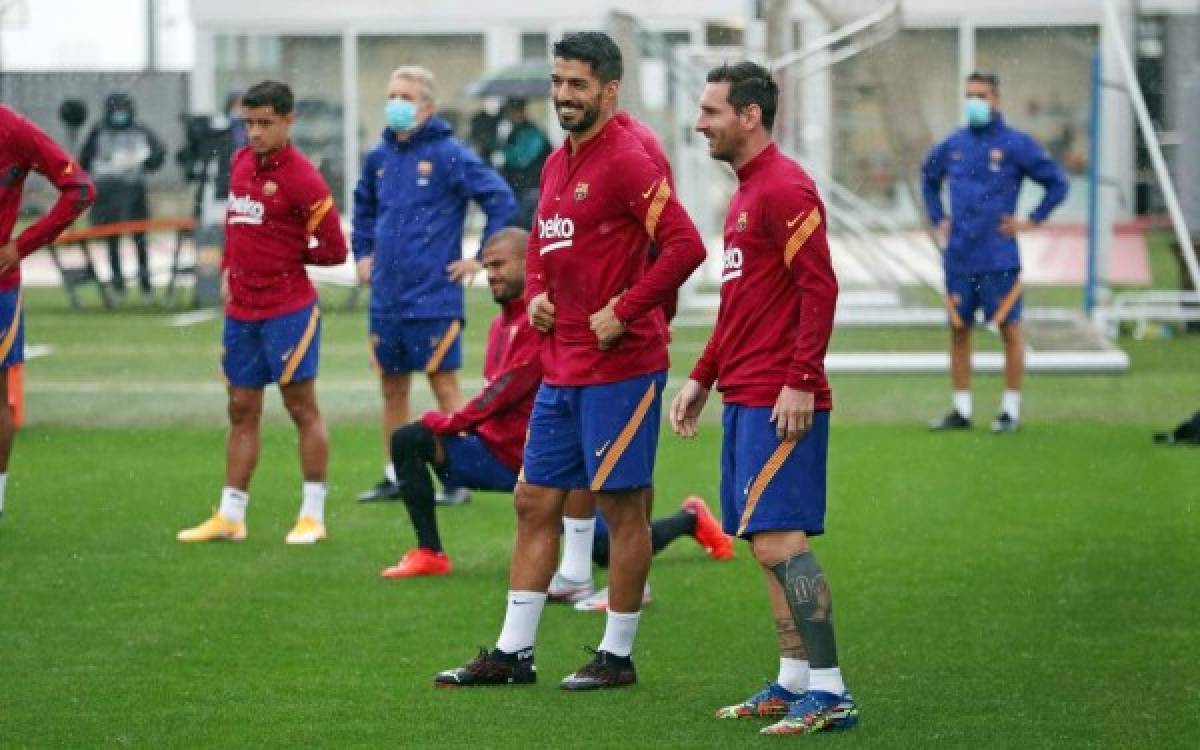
x=401, y=115
x=119, y=118
x=978, y=112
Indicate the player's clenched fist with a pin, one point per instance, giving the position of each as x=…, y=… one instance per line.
x=605, y=324
x=541, y=313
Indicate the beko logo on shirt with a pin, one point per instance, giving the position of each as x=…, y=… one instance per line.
x=245, y=210
x=732, y=268
x=556, y=228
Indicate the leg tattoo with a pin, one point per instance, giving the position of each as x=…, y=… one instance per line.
x=809, y=598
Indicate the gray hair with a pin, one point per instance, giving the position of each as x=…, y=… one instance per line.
x=417, y=74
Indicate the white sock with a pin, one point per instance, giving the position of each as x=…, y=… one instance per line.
x=389, y=472
x=576, y=562
x=793, y=674
x=962, y=403
x=313, y=503
x=521, y=621
x=619, y=632
x=3, y=487
x=233, y=504
x=826, y=680
x=1010, y=404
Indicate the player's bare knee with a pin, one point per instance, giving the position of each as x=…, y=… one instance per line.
x=771, y=548
x=302, y=411
x=624, y=514
x=244, y=410
x=395, y=388
x=535, y=509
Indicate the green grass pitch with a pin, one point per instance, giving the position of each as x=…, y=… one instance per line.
x=1036, y=590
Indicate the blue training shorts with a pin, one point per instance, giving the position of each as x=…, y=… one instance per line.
x=401, y=345
x=769, y=485
x=281, y=350
x=997, y=292
x=599, y=437
x=12, y=333
x=469, y=463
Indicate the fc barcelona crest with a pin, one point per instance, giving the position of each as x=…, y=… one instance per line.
x=270, y=188
x=997, y=155
x=424, y=168
x=581, y=191
x=741, y=221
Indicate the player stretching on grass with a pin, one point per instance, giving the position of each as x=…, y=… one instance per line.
x=479, y=446
x=280, y=217
x=24, y=148
x=767, y=351
x=604, y=358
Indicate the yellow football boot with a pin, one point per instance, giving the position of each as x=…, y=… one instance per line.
x=308, y=530
x=215, y=529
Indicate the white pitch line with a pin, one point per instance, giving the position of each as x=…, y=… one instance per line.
x=205, y=387
x=37, y=351
x=193, y=317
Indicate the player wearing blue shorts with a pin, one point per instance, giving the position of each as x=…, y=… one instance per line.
x=595, y=418
x=25, y=148
x=280, y=217
x=480, y=445
x=409, y=208
x=766, y=355
x=985, y=164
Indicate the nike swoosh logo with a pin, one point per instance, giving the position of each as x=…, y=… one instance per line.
x=792, y=223
x=601, y=450
x=648, y=192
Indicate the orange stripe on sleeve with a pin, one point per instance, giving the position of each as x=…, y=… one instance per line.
x=657, y=206
x=800, y=236
x=769, y=470
x=319, y=209
x=624, y=439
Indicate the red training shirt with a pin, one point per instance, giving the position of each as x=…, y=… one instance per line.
x=654, y=150
x=25, y=148
x=778, y=289
x=280, y=216
x=598, y=205
x=499, y=415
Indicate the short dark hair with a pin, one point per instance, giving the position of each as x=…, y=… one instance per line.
x=595, y=48
x=274, y=94
x=990, y=79
x=749, y=83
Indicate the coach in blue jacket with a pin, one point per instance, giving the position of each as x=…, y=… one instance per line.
x=409, y=209
x=985, y=164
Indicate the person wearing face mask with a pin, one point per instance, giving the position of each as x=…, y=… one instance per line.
x=119, y=153
x=985, y=164
x=409, y=208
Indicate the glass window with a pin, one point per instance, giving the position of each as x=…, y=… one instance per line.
x=1045, y=90
x=879, y=138
x=312, y=66
x=535, y=46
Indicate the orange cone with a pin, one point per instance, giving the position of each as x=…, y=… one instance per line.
x=16, y=393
